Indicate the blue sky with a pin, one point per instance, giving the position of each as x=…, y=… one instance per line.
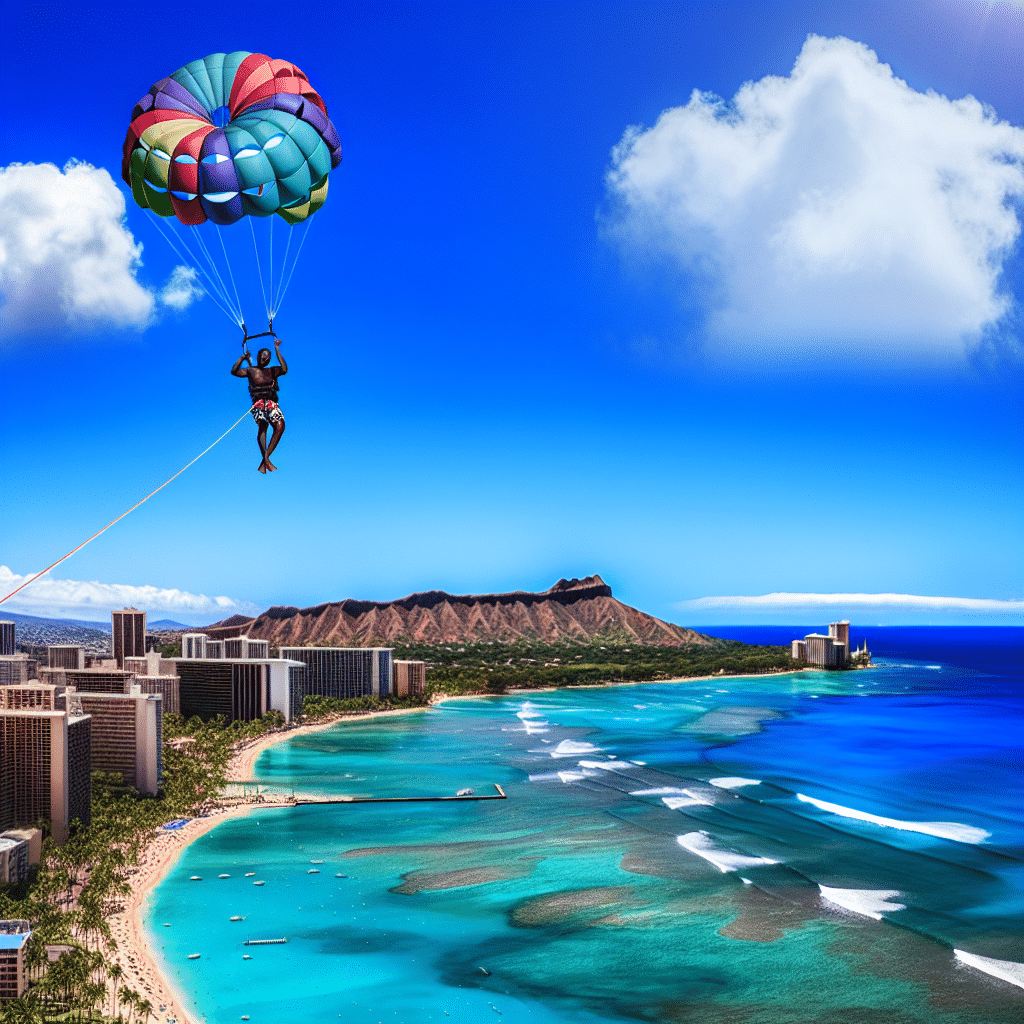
x=739, y=351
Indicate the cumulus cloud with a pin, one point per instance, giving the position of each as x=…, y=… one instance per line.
x=901, y=602
x=66, y=256
x=50, y=597
x=836, y=209
x=182, y=288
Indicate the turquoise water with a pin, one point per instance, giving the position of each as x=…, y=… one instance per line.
x=617, y=882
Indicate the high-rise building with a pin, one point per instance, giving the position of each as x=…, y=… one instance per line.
x=821, y=650
x=14, y=669
x=410, y=677
x=840, y=633
x=13, y=970
x=799, y=650
x=214, y=649
x=128, y=634
x=244, y=647
x=193, y=645
x=240, y=690
x=341, y=672
x=34, y=695
x=90, y=680
x=127, y=736
x=65, y=656
x=45, y=767
x=6, y=637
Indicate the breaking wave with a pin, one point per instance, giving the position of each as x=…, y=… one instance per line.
x=733, y=782
x=869, y=902
x=573, y=748
x=941, y=829
x=702, y=844
x=1005, y=970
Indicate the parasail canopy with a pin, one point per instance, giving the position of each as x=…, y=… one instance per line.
x=231, y=135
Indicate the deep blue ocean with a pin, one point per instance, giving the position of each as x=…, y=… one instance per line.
x=801, y=849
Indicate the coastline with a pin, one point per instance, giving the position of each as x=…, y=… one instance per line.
x=137, y=957
x=515, y=692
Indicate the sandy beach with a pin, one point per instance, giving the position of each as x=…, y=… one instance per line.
x=134, y=953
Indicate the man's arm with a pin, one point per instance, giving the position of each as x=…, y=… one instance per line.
x=237, y=371
x=280, y=358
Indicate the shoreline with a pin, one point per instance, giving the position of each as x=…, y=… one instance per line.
x=515, y=692
x=137, y=956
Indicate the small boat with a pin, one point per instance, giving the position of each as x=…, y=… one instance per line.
x=340, y=875
x=223, y=876
x=245, y=1016
x=245, y=956
x=313, y=871
x=316, y=862
x=194, y=956
x=259, y=883
x=249, y=874
x=196, y=878
x=167, y=924
x=237, y=917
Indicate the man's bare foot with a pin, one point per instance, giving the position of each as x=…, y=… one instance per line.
x=262, y=467
x=271, y=466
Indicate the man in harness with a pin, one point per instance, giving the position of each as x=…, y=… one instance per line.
x=263, y=392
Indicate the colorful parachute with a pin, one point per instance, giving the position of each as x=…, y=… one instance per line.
x=273, y=154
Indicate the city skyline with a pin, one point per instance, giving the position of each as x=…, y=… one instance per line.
x=499, y=329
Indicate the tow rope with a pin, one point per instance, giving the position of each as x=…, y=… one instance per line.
x=132, y=509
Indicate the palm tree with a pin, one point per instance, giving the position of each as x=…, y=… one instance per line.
x=116, y=971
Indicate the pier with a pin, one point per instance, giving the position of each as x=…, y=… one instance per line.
x=300, y=799
x=253, y=792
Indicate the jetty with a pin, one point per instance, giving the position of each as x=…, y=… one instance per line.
x=253, y=792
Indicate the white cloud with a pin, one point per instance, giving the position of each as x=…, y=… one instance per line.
x=79, y=599
x=907, y=602
x=836, y=209
x=66, y=256
x=182, y=288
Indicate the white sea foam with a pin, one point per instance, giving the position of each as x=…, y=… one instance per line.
x=658, y=791
x=573, y=748
x=606, y=766
x=529, y=712
x=689, y=799
x=641, y=763
x=934, y=668
x=1005, y=970
x=941, y=829
x=869, y=902
x=571, y=776
x=723, y=858
x=733, y=782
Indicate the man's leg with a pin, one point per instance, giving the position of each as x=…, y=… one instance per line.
x=274, y=438
x=261, y=440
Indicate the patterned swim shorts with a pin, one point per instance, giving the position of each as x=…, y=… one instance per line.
x=266, y=411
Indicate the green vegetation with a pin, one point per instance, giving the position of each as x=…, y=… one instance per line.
x=314, y=707
x=491, y=667
x=79, y=885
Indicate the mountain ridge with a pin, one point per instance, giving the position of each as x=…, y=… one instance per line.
x=572, y=609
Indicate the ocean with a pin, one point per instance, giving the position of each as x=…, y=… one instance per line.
x=808, y=848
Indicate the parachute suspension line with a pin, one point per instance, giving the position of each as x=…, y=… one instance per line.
x=270, y=308
x=212, y=263
x=259, y=269
x=224, y=249
x=291, y=274
x=236, y=314
x=275, y=300
x=123, y=514
x=194, y=264
x=218, y=284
